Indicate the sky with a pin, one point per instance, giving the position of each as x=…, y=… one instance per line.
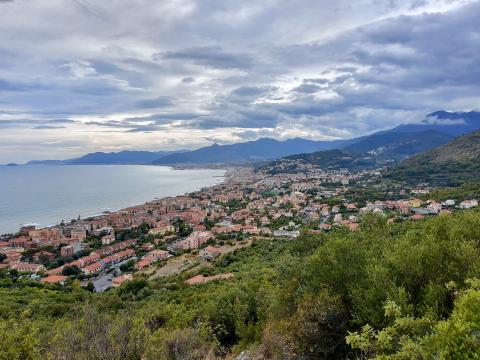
x=78, y=76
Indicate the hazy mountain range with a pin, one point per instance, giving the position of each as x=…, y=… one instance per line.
x=405, y=140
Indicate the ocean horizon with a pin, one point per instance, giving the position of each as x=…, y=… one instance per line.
x=46, y=195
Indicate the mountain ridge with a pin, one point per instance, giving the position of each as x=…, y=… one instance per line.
x=397, y=143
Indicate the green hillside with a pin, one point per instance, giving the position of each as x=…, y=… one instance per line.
x=389, y=291
x=452, y=164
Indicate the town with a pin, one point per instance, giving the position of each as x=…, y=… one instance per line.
x=168, y=236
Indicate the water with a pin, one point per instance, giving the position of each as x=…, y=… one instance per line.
x=45, y=195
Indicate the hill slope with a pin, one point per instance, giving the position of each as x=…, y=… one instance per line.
x=327, y=160
x=397, y=145
x=454, y=163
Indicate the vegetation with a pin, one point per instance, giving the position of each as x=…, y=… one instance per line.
x=387, y=291
x=453, y=164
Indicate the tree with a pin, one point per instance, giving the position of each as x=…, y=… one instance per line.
x=71, y=270
x=90, y=287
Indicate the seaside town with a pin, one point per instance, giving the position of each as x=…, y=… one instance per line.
x=171, y=235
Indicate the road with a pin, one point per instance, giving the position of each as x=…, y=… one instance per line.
x=104, y=280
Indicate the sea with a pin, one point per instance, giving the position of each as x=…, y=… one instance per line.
x=46, y=195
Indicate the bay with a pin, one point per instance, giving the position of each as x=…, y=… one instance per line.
x=45, y=195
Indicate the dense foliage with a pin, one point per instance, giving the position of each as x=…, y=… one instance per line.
x=387, y=291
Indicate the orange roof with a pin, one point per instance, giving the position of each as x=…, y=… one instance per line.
x=212, y=249
x=53, y=279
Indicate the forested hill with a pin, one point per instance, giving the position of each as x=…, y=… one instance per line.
x=389, y=291
x=455, y=163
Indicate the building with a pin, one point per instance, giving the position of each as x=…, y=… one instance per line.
x=468, y=204
x=27, y=267
x=93, y=268
x=209, y=253
x=194, y=240
x=152, y=257
x=108, y=239
x=54, y=279
x=285, y=233
x=119, y=280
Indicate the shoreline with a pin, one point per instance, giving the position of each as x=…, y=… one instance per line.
x=227, y=172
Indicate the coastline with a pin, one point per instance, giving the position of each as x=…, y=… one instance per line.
x=101, y=211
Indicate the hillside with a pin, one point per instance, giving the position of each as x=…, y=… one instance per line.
x=317, y=297
x=454, y=163
x=327, y=160
x=397, y=145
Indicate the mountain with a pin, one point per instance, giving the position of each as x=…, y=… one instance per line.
x=46, y=162
x=258, y=150
x=112, y=158
x=390, y=145
x=396, y=145
x=328, y=160
x=122, y=157
x=453, y=123
x=454, y=163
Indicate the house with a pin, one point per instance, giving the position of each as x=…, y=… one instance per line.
x=152, y=257
x=199, y=227
x=73, y=248
x=449, y=202
x=417, y=217
x=209, y=253
x=194, y=240
x=285, y=233
x=434, y=207
x=119, y=280
x=27, y=267
x=20, y=242
x=468, y=204
x=86, y=260
x=251, y=229
x=142, y=264
x=162, y=228
x=66, y=251
x=54, y=279
x=93, y=268
x=108, y=239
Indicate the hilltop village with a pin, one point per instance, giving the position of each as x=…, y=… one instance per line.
x=172, y=235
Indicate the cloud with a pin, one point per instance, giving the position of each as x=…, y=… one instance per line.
x=209, y=56
x=188, y=80
x=162, y=101
x=182, y=73
x=48, y=127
